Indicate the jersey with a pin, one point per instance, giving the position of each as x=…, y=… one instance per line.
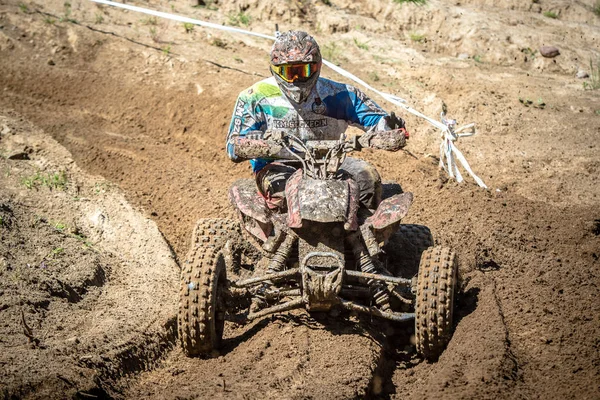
x=328, y=111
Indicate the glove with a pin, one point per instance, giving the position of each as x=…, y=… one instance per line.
x=392, y=140
x=248, y=148
x=393, y=122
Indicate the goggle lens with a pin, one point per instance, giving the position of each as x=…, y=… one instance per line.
x=294, y=72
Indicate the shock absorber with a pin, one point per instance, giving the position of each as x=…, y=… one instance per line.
x=281, y=255
x=365, y=262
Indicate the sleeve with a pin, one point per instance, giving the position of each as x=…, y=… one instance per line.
x=353, y=106
x=243, y=121
x=367, y=114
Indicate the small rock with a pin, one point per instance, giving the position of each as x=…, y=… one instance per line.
x=549, y=51
x=21, y=155
x=463, y=56
x=51, y=62
x=582, y=74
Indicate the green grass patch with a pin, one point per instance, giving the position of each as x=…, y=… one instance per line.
x=23, y=8
x=57, y=180
x=237, y=19
x=417, y=37
x=99, y=18
x=550, y=14
x=596, y=8
x=332, y=52
x=361, y=45
x=149, y=21
x=67, y=16
x=374, y=76
x=594, y=82
x=529, y=52
x=218, y=42
x=189, y=27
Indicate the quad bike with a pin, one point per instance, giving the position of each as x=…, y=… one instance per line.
x=326, y=253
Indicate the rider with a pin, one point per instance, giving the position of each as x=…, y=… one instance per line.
x=296, y=100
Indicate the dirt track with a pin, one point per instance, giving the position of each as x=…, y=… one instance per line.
x=146, y=105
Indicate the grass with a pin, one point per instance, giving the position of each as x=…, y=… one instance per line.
x=238, y=59
x=361, y=45
x=60, y=226
x=99, y=18
x=49, y=21
x=529, y=52
x=237, y=19
x=417, y=2
x=219, y=43
x=477, y=58
x=332, y=52
x=374, y=76
x=56, y=180
x=23, y=7
x=594, y=82
x=417, y=37
x=596, y=8
x=154, y=34
x=189, y=27
x=550, y=14
x=1, y=221
x=149, y=21
x=67, y=16
x=166, y=51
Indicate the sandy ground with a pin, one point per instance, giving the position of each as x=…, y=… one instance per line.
x=134, y=111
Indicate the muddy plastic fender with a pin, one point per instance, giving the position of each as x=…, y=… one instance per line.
x=201, y=316
x=436, y=284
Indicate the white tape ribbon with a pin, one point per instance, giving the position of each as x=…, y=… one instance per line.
x=448, y=150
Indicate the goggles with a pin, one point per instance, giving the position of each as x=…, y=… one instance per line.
x=293, y=72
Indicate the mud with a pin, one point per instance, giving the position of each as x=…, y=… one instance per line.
x=142, y=106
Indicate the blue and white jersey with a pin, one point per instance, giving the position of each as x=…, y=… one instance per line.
x=330, y=108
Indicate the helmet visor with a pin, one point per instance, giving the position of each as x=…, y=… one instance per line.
x=295, y=72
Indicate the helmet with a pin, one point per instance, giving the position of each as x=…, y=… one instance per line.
x=296, y=63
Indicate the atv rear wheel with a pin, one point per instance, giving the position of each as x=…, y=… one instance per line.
x=201, y=316
x=436, y=283
x=405, y=247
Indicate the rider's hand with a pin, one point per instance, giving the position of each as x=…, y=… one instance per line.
x=392, y=122
x=276, y=136
x=392, y=140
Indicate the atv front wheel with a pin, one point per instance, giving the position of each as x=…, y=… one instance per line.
x=436, y=283
x=201, y=317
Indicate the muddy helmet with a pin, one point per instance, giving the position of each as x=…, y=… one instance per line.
x=296, y=63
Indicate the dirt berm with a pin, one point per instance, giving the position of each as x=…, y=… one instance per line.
x=112, y=129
